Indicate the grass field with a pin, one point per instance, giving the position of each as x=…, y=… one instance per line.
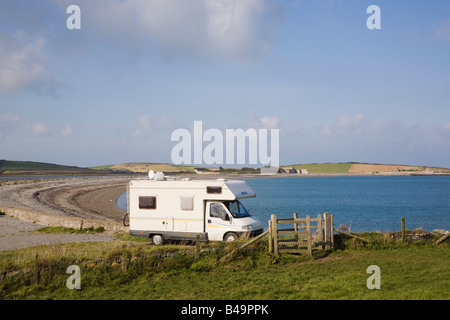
x=131, y=269
x=144, y=167
x=39, y=168
x=316, y=168
x=24, y=168
x=353, y=167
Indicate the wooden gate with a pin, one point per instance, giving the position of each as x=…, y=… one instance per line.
x=305, y=235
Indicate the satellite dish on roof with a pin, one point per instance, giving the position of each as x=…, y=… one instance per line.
x=151, y=174
x=159, y=176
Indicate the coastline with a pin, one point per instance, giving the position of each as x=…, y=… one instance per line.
x=95, y=198
x=83, y=202
x=73, y=202
x=299, y=175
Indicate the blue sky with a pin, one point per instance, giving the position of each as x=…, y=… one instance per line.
x=116, y=89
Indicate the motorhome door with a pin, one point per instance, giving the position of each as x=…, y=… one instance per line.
x=218, y=221
x=169, y=223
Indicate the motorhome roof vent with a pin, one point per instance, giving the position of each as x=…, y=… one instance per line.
x=159, y=176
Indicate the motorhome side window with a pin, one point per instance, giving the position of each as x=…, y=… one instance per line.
x=147, y=202
x=187, y=203
x=214, y=190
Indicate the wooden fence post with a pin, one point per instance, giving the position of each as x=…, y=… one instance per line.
x=403, y=229
x=275, y=234
x=320, y=231
x=197, y=247
x=299, y=239
x=308, y=230
x=295, y=223
x=331, y=231
x=270, y=237
x=327, y=230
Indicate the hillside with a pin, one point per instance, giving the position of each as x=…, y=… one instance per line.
x=365, y=168
x=144, y=167
x=30, y=168
x=25, y=168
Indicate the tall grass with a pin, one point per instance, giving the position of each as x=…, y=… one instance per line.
x=324, y=167
x=138, y=270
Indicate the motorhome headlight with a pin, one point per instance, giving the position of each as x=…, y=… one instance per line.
x=247, y=227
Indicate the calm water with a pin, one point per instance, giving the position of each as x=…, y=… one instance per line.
x=364, y=203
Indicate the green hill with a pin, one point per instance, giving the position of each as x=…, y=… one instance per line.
x=24, y=168
x=30, y=168
x=365, y=168
x=144, y=167
x=323, y=167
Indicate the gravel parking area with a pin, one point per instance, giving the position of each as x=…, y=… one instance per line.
x=16, y=234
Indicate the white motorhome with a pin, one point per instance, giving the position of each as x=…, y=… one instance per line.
x=163, y=209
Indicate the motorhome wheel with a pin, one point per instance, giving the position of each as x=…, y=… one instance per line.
x=231, y=236
x=157, y=239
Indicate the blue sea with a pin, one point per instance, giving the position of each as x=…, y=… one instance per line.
x=363, y=203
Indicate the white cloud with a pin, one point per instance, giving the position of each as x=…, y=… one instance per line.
x=39, y=129
x=270, y=122
x=136, y=134
x=256, y=122
x=145, y=122
x=67, y=131
x=446, y=127
x=21, y=62
x=232, y=29
x=9, y=118
x=358, y=125
x=151, y=124
x=443, y=31
x=354, y=124
x=6, y=120
x=326, y=132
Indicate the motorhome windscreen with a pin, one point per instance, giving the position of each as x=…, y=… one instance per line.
x=237, y=209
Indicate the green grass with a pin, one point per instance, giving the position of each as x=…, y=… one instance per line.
x=39, y=168
x=138, y=270
x=57, y=230
x=101, y=167
x=144, y=167
x=317, y=168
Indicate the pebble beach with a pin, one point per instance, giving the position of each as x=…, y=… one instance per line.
x=32, y=204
